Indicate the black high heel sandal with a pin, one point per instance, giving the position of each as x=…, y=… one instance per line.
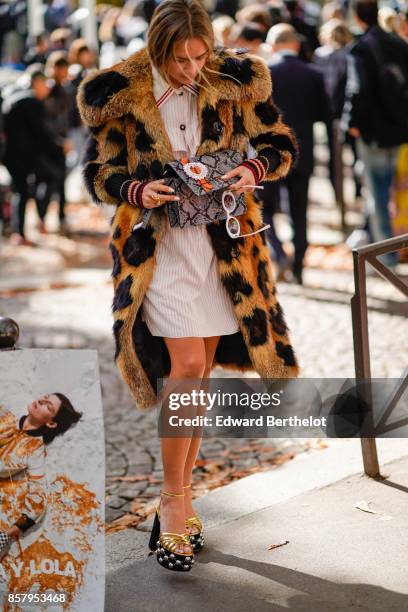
x=165, y=544
x=196, y=539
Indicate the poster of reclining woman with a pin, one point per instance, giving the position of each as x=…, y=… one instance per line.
x=51, y=481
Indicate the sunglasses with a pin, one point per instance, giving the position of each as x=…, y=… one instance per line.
x=232, y=224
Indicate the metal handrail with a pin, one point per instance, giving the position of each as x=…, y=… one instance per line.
x=359, y=313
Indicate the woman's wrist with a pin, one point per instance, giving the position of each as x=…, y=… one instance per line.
x=134, y=193
x=256, y=167
x=139, y=194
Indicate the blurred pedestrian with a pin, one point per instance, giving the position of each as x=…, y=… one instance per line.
x=38, y=52
x=376, y=113
x=58, y=105
x=297, y=19
x=388, y=19
x=31, y=151
x=227, y=7
x=60, y=39
x=331, y=59
x=56, y=13
x=299, y=93
x=257, y=14
x=332, y=10
x=249, y=36
x=222, y=27
x=253, y=23
x=82, y=60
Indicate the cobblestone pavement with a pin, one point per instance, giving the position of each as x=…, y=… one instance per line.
x=80, y=318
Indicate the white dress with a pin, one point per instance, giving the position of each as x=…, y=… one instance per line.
x=185, y=297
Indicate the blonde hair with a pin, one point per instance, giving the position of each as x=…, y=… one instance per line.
x=336, y=33
x=75, y=47
x=174, y=21
x=221, y=25
x=388, y=19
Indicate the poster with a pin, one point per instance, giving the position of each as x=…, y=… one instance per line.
x=52, y=471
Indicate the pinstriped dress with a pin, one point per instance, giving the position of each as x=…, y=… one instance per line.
x=185, y=297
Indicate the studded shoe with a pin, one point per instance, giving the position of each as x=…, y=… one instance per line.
x=166, y=543
x=193, y=522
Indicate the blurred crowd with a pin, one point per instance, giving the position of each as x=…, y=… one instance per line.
x=341, y=63
x=42, y=136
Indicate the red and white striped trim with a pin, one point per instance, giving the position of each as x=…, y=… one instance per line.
x=193, y=89
x=257, y=168
x=165, y=96
x=261, y=169
x=132, y=191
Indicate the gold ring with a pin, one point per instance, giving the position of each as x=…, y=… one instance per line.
x=156, y=197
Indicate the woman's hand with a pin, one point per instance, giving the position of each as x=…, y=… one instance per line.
x=154, y=192
x=246, y=177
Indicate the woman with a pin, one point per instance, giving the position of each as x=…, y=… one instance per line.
x=185, y=299
x=23, y=491
x=331, y=59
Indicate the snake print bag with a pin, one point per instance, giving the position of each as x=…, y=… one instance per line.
x=198, y=183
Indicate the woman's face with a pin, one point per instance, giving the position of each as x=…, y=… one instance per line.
x=44, y=409
x=189, y=58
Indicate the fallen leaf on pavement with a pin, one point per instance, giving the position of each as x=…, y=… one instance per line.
x=129, y=478
x=365, y=506
x=272, y=546
x=128, y=520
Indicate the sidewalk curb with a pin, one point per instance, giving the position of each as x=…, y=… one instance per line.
x=305, y=473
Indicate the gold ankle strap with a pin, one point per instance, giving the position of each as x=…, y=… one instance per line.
x=172, y=494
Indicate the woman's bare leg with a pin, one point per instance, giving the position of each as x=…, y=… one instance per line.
x=195, y=443
x=188, y=360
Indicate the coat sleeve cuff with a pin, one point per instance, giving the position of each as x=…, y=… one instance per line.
x=270, y=159
x=116, y=185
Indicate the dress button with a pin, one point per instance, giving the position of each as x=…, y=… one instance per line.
x=182, y=126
